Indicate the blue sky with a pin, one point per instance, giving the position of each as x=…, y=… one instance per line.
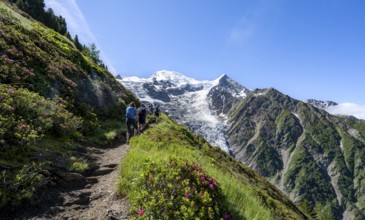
x=304, y=48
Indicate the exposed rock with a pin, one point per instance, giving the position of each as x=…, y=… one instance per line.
x=320, y=104
x=68, y=176
x=102, y=172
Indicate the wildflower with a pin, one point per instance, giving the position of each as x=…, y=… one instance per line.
x=7, y=59
x=140, y=212
x=211, y=186
x=187, y=195
x=227, y=216
x=197, y=166
x=23, y=126
x=2, y=32
x=11, y=92
x=202, y=178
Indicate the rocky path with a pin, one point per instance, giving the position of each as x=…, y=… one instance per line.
x=90, y=197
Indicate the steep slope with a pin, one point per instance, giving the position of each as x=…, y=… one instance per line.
x=199, y=105
x=303, y=150
x=245, y=194
x=54, y=100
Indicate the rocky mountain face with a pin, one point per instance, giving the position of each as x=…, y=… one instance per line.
x=312, y=156
x=320, y=104
x=306, y=152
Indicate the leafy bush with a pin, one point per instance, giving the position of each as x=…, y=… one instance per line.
x=26, y=116
x=177, y=190
x=19, y=187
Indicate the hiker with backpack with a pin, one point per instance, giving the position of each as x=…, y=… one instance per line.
x=130, y=115
x=150, y=108
x=142, y=114
x=157, y=112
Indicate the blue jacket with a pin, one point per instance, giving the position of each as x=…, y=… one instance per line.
x=130, y=113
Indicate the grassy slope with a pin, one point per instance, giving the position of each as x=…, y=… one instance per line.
x=249, y=195
x=39, y=64
x=54, y=101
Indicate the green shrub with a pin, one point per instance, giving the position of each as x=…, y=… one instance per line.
x=176, y=190
x=26, y=116
x=18, y=187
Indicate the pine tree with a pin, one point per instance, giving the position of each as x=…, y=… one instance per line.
x=77, y=43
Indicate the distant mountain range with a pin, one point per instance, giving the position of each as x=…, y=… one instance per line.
x=311, y=155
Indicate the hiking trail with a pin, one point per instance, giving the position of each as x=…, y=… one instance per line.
x=92, y=197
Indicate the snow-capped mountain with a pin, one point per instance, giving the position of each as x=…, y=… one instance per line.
x=320, y=104
x=199, y=105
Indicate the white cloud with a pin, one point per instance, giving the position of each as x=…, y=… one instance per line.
x=353, y=109
x=250, y=22
x=77, y=24
x=242, y=31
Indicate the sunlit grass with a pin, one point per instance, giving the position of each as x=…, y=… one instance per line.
x=168, y=140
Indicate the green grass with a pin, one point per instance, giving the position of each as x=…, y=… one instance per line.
x=109, y=132
x=27, y=24
x=79, y=166
x=249, y=196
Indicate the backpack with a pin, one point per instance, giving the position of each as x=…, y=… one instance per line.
x=142, y=112
x=131, y=113
x=157, y=109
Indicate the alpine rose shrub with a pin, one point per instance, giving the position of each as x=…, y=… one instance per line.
x=177, y=190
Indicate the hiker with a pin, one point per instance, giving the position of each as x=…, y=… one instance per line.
x=150, y=108
x=157, y=112
x=130, y=115
x=142, y=114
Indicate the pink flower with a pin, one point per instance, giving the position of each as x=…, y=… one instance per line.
x=187, y=195
x=23, y=126
x=2, y=32
x=201, y=193
x=227, y=216
x=202, y=178
x=11, y=91
x=197, y=166
x=140, y=212
x=211, y=186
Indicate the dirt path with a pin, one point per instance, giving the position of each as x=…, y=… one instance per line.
x=93, y=197
x=102, y=194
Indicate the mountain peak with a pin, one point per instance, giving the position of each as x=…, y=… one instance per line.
x=167, y=75
x=223, y=76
